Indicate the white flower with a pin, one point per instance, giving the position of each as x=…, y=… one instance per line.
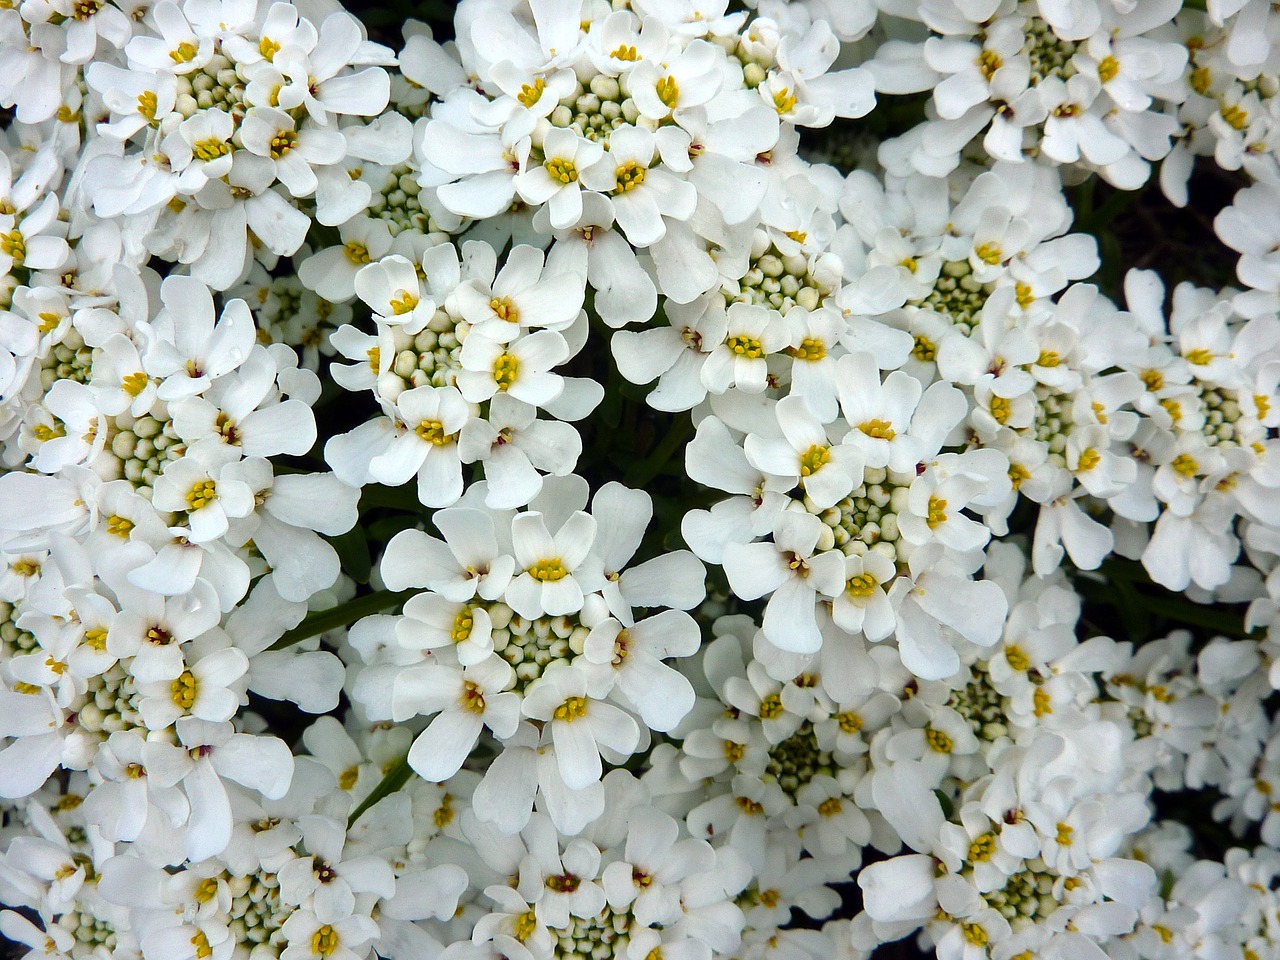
x=556, y=569
x=580, y=726
x=468, y=562
x=795, y=571
x=805, y=455
x=556, y=181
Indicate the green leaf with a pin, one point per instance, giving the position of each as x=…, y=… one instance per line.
x=394, y=779
x=947, y=806
x=342, y=615
x=353, y=553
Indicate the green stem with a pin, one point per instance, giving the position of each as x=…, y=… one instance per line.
x=395, y=778
x=644, y=471
x=1195, y=5
x=1168, y=607
x=342, y=615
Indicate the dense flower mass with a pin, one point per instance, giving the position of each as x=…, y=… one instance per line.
x=639, y=479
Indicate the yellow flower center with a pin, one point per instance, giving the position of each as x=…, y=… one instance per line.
x=989, y=62
x=548, y=571
x=324, y=942
x=356, y=252
x=505, y=371
x=814, y=459
x=434, y=433
x=1001, y=410
x=561, y=170
x=630, y=175
x=505, y=309
x=531, y=93
x=472, y=697
x=745, y=346
x=268, y=48
x=201, y=494
x=282, y=143
x=527, y=923
x=624, y=52
x=850, y=722
x=574, y=708
x=201, y=943
x=184, y=53
x=783, y=101
x=26, y=568
x=989, y=253
x=120, y=526
x=134, y=383
x=810, y=349
x=938, y=740
x=924, y=350
x=1041, y=703
x=982, y=849
x=668, y=91
x=347, y=779
x=1236, y=116
x=462, y=625
x=878, y=429
x=210, y=148
x=863, y=585
x=13, y=245
x=1186, y=465
x=771, y=707
x=975, y=934
x=937, y=512
x=403, y=303
x=1089, y=459
x=183, y=690
x=1048, y=358
x=1016, y=658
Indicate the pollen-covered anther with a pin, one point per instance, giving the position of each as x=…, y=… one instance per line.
x=744, y=346
x=550, y=570
x=630, y=175
x=813, y=459
x=862, y=585
x=472, y=697
x=562, y=171
x=505, y=370
x=574, y=708
x=183, y=690
x=201, y=494
x=283, y=142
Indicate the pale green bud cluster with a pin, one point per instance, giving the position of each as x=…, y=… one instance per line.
x=867, y=519
x=601, y=938
x=143, y=447
x=596, y=109
x=531, y=646
x=396, y=203
x=71, y=359
x=432, y=357
x=957, y=296
x=797, y=760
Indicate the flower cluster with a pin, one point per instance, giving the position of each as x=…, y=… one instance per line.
x=609, y=478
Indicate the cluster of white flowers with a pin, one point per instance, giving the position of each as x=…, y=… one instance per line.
x=260, y=273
